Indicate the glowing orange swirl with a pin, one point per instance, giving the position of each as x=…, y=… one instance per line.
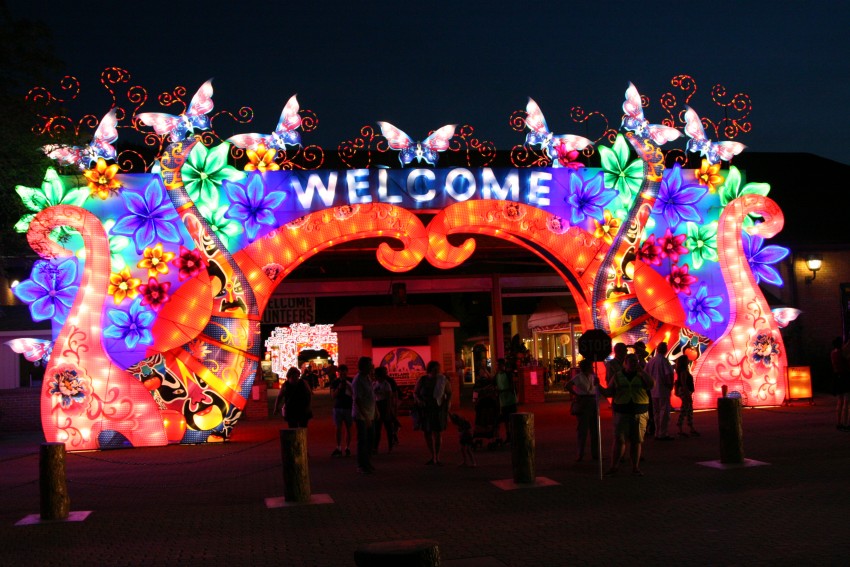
x=575, y=254
x=288, y=246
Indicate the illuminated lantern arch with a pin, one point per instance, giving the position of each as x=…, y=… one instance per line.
x=286, y=342
x=179, y=266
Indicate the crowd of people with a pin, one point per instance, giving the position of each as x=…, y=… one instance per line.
x=638, y=384
x=369, y=401
x=640, y=388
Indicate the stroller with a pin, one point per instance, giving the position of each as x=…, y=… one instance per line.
x=486, y=422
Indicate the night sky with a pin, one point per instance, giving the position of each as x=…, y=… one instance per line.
x=423, y=65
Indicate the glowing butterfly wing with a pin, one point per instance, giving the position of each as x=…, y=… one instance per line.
x=726, y=150
x=284, y=134
x=397, y=139
x=178, y=126
x=635, y=121
x=65, y=155
x=693, y=125
x=439, y=140
x=632, y=106
x=537, y=124
x=161, y=123
x=32, y=349
x=248, y=141
x=428, y=148
x=289, y=117
x=289, y=122
x=662, y=134
x=411, y=153
x=784, y=315
x=714, y=151
x=201, y=105
x=106, y=133
x=693, y=128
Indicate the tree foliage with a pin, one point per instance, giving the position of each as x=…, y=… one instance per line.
x=27, y=58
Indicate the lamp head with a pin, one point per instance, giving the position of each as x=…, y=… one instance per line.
x=813, y=263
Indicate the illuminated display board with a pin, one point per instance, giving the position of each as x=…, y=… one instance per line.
x=158, y=287
x=285, y=343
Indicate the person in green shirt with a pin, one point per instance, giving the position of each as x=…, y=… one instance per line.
x=629, y=389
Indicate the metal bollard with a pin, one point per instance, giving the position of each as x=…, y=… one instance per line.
x=731, y=430
x=522, y=447
x=55, y=502
x=296, y=473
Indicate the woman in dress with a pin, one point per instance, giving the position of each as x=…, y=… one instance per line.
x=432, y=395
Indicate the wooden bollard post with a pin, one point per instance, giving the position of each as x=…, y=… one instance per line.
x=55, y=502
x=522, y=447
x=296, y=472
x=731, y=430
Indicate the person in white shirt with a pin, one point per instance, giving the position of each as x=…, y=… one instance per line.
x=662, y=372
x=584, y=407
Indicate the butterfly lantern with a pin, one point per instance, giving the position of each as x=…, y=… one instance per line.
x=284, y=135
x=179, y=127
x=714, y=152
x=562, y=150
x=37, y=351
x=100, y=147
x=426, y=150
x=784, y=315
x=635, y=122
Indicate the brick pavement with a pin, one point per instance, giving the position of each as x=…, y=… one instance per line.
x=190, y=504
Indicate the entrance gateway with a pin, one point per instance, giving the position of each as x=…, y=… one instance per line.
x=171, y=271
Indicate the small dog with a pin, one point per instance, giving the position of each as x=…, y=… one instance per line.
x=464, y=429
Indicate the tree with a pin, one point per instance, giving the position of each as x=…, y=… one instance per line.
x=27, y=59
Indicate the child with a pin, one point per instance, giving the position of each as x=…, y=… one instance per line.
x=464, y=429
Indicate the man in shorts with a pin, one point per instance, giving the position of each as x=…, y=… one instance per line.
x=629, y=389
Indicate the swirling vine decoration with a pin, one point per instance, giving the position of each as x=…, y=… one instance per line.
x=477, y=153
x=739, y=103
x=580, y=116
x=357, y=153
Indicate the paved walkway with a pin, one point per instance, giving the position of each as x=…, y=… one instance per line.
x=205, y=504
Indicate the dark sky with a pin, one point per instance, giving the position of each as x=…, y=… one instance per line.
x=423, y=65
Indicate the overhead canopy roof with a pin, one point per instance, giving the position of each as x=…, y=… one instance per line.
x=550, y=316
x=398, y=321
